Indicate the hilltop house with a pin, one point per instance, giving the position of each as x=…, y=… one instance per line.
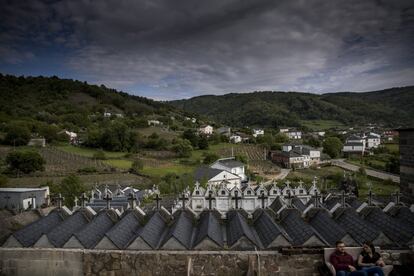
x=294, y=134
x=206, y=130
x=73, y=136
x=154, y=123
x=257, y=132
x=235, y=139
x=226, y=131
x=217, y=177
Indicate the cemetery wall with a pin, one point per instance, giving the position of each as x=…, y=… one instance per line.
x=71, y=262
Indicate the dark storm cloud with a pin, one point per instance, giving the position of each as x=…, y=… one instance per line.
x=176, y=49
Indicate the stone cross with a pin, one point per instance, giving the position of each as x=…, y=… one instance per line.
x=236, y=198
x=59, y=200
x=210, y=198
x=316, y=198
x=370, y=194
x=314, y=181
x=184, y=199
x=287, y=183
x=108, y=199
x=300, y=183
x=158, y=199
x=343, y=199
x=131, y=199
x=289, y=197
x=263, y=197
x=83, y=199
x=397, y=196
x=75, y=200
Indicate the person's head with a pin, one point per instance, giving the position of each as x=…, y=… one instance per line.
x=340, y=246
x=368, y=247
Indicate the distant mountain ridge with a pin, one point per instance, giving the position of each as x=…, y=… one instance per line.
x=392, y=107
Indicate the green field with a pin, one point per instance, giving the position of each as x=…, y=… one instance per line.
x=119, y=163
x=161, y=171
x=321, y=124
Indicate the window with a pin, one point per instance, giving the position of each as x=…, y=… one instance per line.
x=197, y=192
x=249, y=192
x=223, y=192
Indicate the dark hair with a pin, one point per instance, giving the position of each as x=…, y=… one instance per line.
x=369, y=243
x=338, y=242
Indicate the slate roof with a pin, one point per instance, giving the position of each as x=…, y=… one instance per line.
x=237, y=227
x=181, y=229
x=123, y=232
x=296, y=227
x=398, y=232
x=329, y=229
x=209, y=227
x=277, y=204
x=267, y=229
x=94, y=231
x=61, y=234
x=29, y=234
x=231, y=163
x=205, y=173
x=404, y=216
x=153, y=230
x=297, y=203
x=355, y=144
x=331, y=202
x=358, y=228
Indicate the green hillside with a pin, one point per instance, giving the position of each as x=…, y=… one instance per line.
x=392, y=107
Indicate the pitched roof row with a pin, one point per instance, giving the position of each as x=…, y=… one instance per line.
x=281, y=225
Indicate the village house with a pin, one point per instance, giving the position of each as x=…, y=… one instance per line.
x=37, y=142
x=296, y=156
x=373, y=140
x=226, y=131
x=235, y=139
x=354, y=145
x=193, y=120
x=283, y=130
x=294, y=134
x=107, y=114
x=257, y=132
x=206, y=130
x=231, y=165
x=73, y=136
x=217, y=177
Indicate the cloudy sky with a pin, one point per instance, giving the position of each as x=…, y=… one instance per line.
x=165, y=49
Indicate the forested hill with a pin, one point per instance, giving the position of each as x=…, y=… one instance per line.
x=392, y=107
x=69, y=103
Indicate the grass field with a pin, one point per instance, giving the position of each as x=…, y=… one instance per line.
x=394, y=148
x=119, y=163
x=321, y=124
x=173, y=168
x=327, y=178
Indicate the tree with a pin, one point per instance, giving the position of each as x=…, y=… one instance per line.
x=209, y=158
x=71, y=187
x=203, y=143
x=17, y=136
x=191, y=136
x=183, y=148
x=332, y=146
x=25, y=161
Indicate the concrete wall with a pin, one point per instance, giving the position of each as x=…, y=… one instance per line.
x=42, y=262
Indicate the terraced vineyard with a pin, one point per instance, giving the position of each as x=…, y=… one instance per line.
x=59, y=162
x=252, y=152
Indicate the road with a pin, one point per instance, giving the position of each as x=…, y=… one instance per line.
x=377, y=174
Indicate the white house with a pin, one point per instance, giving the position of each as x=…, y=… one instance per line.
x=294, y=134
x=373, y=140
x=107, y=114
x=301, y=155
x=207, y=130
x=231, y=165
x=257, y=132
x=217, y=177
x=24, y=198
x=73, y=136
x=154, y=123
x=354, y=145
x=283, y=130
x=235, y=139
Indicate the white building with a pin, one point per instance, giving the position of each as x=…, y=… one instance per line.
x=373, y=140
x=24, y=198
x=354, y=145
x=73, y=136
x=217, y=177
x=235, y=139
x=283, y=130
x=154, y=123
x=207, y=130
x=231, y=165
x=294, y=135
x=257, y=132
